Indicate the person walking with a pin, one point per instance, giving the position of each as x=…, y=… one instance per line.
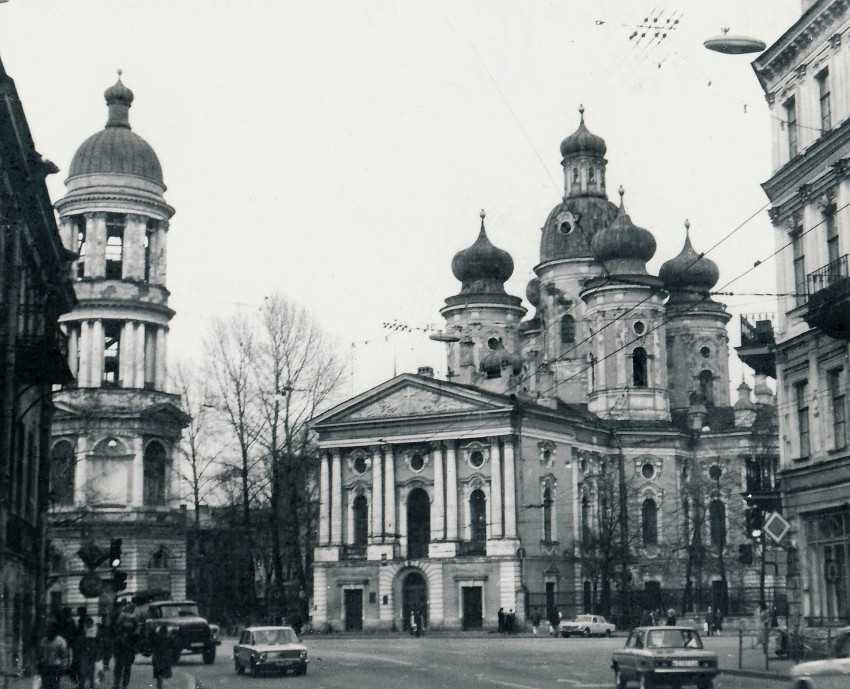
x=53, y=657
x=87, y=652
x=554, y=622
x=717, y=622
x=709, y=621
x=161, y=658
x=501, y=620
x=126, y=637
x=105, y=640
x=535, y=622
x=671, y=618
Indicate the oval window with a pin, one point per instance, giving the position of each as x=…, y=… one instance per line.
x=359, y=464
x=476, y=458
x=417, y=462
x=715, y=472
x=647, y=470
x=639, y=327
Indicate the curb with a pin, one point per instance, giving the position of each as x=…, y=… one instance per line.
x=779, y=676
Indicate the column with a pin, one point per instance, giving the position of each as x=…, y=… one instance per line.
x=510, y=488
x=150, y=354
x=495, y=489
x=137, y=497
x=160, y=370
x=139, y=357
x=336, y=498
x=96, y=360
x=451, y=492
x=73, y=351
x=161, y=238
x=438, y=522
x=324, y=500
x=126, y=349
x=96, y=245
x=389, y=493
x=377, y=496
x=84, y=370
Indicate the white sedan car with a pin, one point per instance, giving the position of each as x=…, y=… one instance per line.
x=830, y=673
x=270, y=649
x=586, y=625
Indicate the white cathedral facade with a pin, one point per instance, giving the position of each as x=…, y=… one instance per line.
x=584, y=459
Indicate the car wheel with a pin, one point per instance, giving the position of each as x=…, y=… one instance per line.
x=209, y=655
x=301, y=669
x=566, y=635
x=239, y=669
x=619, y=679
x=607, y=632
x=646, y=682
x=586, y=632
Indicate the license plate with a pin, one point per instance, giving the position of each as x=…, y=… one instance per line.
x=685, y=663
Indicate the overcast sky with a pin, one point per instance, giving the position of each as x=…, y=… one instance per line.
x=340, y=152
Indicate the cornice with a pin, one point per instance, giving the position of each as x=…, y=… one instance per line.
x=811, y=28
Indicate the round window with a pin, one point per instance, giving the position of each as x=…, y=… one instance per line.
x=417, y=462
x=705, y=351
x=715, y=472
x=476, y=458
x=493, y=343
x=566, y=223
x=647, y=470
x=639, y=327
x=359, y=464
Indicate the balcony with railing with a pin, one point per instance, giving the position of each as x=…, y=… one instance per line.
x=758, y=344
x=828, y=306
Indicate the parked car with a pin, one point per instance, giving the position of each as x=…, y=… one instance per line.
x=586, y=625
x=830, y=673
x=673, y=656
x=270, y=649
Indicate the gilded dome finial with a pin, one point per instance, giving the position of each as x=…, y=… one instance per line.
x=622, y=193
x=687, y=227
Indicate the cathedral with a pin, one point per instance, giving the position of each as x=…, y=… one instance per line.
x=116, y=428
x=587, y=458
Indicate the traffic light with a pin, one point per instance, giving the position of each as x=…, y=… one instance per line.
x=754, y=518
x=115, y=553
x=119, y=580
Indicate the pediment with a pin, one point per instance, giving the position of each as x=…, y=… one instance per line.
x=412, y=400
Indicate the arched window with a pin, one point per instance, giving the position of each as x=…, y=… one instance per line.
x=717, y=523
x=62, y=470
x=568, y=329
x=360, y=510
x=160, y=559
x=649, y=522
x=418, y=523
x=154, y=474
x=706, y=386
x=639, y=370
x=547, y=514
x=478, y=515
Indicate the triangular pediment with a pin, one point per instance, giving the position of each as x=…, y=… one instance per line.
x=411, y=396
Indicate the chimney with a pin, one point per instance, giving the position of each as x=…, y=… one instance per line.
x=425, y=371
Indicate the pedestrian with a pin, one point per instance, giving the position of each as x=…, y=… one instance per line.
x=413, y=622
x=554, y=622
x=671, y=618
x=126, y=639
x=161, y=656
x=53, y=657
x=88, y=652
x=105, y=640
x=501, y=620
x=709, y=621
x=535, y=622
x=646, y=618
x=417, y=620
x=718, y=621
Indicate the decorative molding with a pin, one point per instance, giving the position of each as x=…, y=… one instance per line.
x=411, y=401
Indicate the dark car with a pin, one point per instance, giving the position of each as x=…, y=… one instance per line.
x=672, y=656
x=270, y=649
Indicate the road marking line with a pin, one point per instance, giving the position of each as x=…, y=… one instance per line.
x=511, y=684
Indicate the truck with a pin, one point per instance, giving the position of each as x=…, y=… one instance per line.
x=188, y=632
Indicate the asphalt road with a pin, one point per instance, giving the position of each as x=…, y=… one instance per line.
x=433, y=662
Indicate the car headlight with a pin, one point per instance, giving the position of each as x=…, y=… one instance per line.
x=707, y=663
x=263, y=656
x=303, y=655
x=660, y=662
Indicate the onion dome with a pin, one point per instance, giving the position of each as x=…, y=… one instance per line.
x=482, y=267
x=624, y=244
x=116, y=150
x=582, y=142
x=532, y=292
x=689, y=271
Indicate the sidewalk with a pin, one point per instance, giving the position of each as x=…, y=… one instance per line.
x=752, y=661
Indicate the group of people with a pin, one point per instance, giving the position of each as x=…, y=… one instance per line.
x=713, y=621
x=417, y=622
x=84, y=649
x=507, y=622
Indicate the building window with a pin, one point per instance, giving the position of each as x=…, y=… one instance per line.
x=80, y=225
x=568, y=329
x=832, y=247
x=639, y=368
x=476, y=459
x=114, y=246
x=154, y=474
x=838, y=399
x=799, y=259
x=706, y=386
x=360, y=513
x=824, y=97
x=585, y=521
x=717, y=523
x=417, y=462
x=801, y=393
x=418, y=523
x=478, y=515
x=791, y=126
x=62, y=469
x=547, y=515
x=160, y=559
x=111, y=353
x=649, y=522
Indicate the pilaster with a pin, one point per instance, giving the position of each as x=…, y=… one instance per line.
x=510, y=488
x=389, y=493
x=336, y=498
x=451, y=492
x=377, y=496
x=496, y=529
x=324, y=500
x=438, y=522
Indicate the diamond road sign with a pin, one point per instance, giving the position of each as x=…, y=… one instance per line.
x=776, y=526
